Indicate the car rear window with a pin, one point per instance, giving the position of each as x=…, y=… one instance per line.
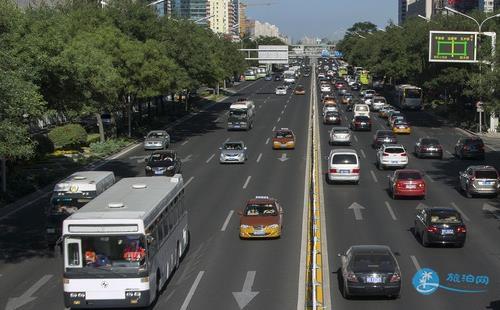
x=341, y=130
x=394, y=150
x=372, y=263
x=362, y=118
x=445, y=218
x=474, y=142
x=383, y=134
x=430, y=141
x=486, y=174
x=407, y=175
x=344, y=159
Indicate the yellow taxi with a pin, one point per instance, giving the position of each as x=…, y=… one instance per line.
x=261, y=218
x=401, y=127
x=283, y=138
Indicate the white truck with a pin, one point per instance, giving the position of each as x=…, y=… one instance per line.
x=241, y=115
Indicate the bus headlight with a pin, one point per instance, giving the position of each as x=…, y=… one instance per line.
x=145, y=280
x=77, y=295
x=132, y=294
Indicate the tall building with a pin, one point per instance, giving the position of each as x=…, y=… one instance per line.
x=463, y=5
x=242, y=19
x=260, y=29
x=489, y=6
x=220, y=22
x=193, y=9
x=235, y=17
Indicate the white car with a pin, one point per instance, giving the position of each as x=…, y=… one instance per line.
x=361, y=110
x=329, y=107
x=340, y=135
x=343, y=166
x=280, y=90
x=392, y=155
x=378, y=103
x=326, y=88
x=367, y=99
x=321, y=75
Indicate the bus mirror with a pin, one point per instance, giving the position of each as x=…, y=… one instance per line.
x=150, y=239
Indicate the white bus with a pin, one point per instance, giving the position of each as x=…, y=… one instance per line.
x=289, y=76
x=71, y=194
x=408, y=97
x=121, y=248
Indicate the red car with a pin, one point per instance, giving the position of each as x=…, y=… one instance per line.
x=408, y=183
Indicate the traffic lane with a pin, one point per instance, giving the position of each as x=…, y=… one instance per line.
x=237, y=198
x=408, y=216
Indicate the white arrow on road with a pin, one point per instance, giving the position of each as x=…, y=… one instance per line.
x=26, y=297
x=493, y=210
x=283, y=157
x=246, y=295
x=356, y=207
x=186, y=159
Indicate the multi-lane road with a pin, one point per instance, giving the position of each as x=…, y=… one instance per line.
x=220, y=271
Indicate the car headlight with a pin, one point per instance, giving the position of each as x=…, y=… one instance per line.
x=273, y=226
x=148, y=168
x=170, y=168
x=243, y=226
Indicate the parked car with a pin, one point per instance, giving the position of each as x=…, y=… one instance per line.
x=470, y=147
x=440, y=226
x=428, y=147
x=407, y=183
x=479, y=180
x=165, y=163
x=156, y=140
x=370, y=270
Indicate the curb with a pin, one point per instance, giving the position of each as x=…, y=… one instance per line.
x=41, y=193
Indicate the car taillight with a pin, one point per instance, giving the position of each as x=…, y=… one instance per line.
x=385, y=154
x=433, y=229
x=400, y=184
x=421, y=185
x=355, y=170
x=466, y=147
x=461, y=229
x=403, y=154
x=351, y=277
x=395, y=277
x=439, y=147
x=333, y=170
x=472, y=179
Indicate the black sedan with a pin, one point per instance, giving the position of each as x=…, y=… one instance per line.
x=440, y=226
x=361, y=123
x=370, y=270
x=356, y=86
x=331, y=117
x=165, y=163
x=471, y=147
x=428, y=147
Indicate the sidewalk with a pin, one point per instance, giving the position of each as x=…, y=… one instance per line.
x=41, y=193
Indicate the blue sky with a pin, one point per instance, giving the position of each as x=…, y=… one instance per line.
x=322, y=18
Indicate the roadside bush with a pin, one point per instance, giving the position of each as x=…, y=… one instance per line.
x=93, y=138
x=71, y=135
x=103, y=149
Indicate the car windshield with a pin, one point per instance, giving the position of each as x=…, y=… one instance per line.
x=267, y=209
x=341, y=131
x=284, y=134
x=237, y=114
x=156, y=135
x=233, y=146
x=409, y=175
x=394, y=150
x=332, y=113
x=447, y=217
x=108, y=252
x=162, y=157
x=385, y=134
x=344, y=159
x=362, y=108
x=362, y=118
x=486, y=174
x=372, y=262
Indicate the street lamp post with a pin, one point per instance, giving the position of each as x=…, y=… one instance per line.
x=493, y=36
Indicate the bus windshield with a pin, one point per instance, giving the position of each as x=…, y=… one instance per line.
x=108, y=252
x=413, y=93
x=237, y=114
x=249, y=72
x=70, y=204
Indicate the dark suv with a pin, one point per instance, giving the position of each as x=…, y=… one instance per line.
x=471, y=147
x=383, y=137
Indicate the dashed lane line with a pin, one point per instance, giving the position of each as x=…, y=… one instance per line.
x=274, y=128
x=192, y=290
x=374, y=177
x=415, y=262
x=226, y=222
x=279, y=119
x=454, y=205
x=355, y=138
x=363, y=153
x=259, y=157
x=267, y=141
x=391, y=211
x=188, y=182
x=185, y=142
x=429, y=178
x=210, y=158
x=247, y=181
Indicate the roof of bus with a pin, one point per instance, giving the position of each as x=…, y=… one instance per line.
x=138, y=198
x=85, y=180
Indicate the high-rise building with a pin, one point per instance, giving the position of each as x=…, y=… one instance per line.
x=242, y=16
x=220, y=22
x=234, y=15
x=192, y=9
x=463, y=5
x=489, y=6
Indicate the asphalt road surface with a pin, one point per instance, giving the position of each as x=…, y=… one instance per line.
x=220, y=271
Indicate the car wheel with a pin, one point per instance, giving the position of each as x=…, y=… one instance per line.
x=393, y=195
x=460, y=245
x=345, y=294
x=467, y=192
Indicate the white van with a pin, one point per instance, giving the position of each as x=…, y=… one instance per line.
x=343, y=166
x=361, y=110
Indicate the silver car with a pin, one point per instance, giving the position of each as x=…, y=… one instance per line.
x=340, y=135
x=157, y=140
x=233, y=152
x=479, y=180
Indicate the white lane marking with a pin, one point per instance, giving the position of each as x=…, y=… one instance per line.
x=415, y=262
x=391, y=212
x=282, y=111
x=259, y=157
x=461, y=212
x=449, y=153
x=285, y=106
x=27, y=296
x=363, y=153
x=274, y=128
x=429, y=178
x=227, y=139
x=188, y=181
x=355, y=138
x=226, y=222
x=210, y=158
x=190, y=294
x=374, y=176
x=267, y=141
x=125, y=151
x=185, y=142
x=217, y=120
x=247, y=181
x=279, y=119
